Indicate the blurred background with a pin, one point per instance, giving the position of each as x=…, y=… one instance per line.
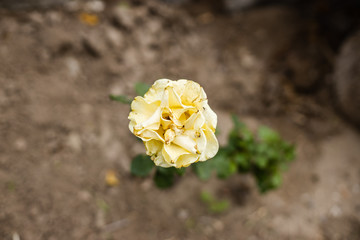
x=290, y=64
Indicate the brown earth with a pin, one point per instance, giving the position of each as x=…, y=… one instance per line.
x=59, y=133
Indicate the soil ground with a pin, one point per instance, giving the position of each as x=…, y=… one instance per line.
x=59, y=133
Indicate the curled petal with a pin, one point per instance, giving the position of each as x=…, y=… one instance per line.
x=191, y=94
x=210, y=116
x=212, y=145
x=159, y=160
x=195, y=121
x=144, y=114
x=147, y=135
x=174, y=99
x=173, y=152
x=186, y=160
x=186, y=143
x=153, y=147
x=156, y=92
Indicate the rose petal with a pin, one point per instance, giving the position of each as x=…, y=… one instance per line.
x=201, y=141
x=160, y=161
x=147, y=134
x=185, y=142
x=186, y=160
x=191, y=93
x=153, y=147
x=212, y=145
x=174, y=152
x=156, y=91
x=174, y=99
x=144, y=114
x=210, y=116
x=195, y=121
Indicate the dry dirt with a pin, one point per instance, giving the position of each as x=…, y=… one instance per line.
x=59, y=133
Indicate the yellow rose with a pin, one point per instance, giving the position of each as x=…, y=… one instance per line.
x=175, y=122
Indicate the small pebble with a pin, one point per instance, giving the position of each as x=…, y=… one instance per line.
x=183, y=214
x=218, y=225
x=20, y=144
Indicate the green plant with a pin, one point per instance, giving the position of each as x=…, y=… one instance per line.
x=214, y=205
x=263, y=154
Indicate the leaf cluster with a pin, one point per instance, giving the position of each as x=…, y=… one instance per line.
x=214, y=205
x=142, y=166
x=265, y=155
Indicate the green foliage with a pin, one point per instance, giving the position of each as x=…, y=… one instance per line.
x=203, y=169
x=141, y=165
x=214, y=205
x=165, y=177
x=264, y=155
x=141, y=88
x=120, y=98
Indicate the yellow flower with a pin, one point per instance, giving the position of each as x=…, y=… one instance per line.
x=175, y=122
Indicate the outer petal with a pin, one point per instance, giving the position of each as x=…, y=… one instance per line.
x=160, y=161
x=173, y=152
x=179, y=86
x=174, y=99
x=147, y=135
x=212, y=145
x=191, y=93
x=151, y=123
x=153, y=147
x=142, y=112
x=210, y=116
x=201, y=142
x=156, y=91
x=186, y=160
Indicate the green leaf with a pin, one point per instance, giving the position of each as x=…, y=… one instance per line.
x=242, y=161
x=206, y=197
x=120, y=98
x=289, y=152
x=261, y=161
x=268, y=180
x=214, y=205
x=221, y=163
x=219, y=206
x=141, y=88
x=203, y=169
x=225, y=169
x=180, y=171
x=268, y=135
x=141, y=165
x=237, y=124
x=276, y=180
x=164, y=177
